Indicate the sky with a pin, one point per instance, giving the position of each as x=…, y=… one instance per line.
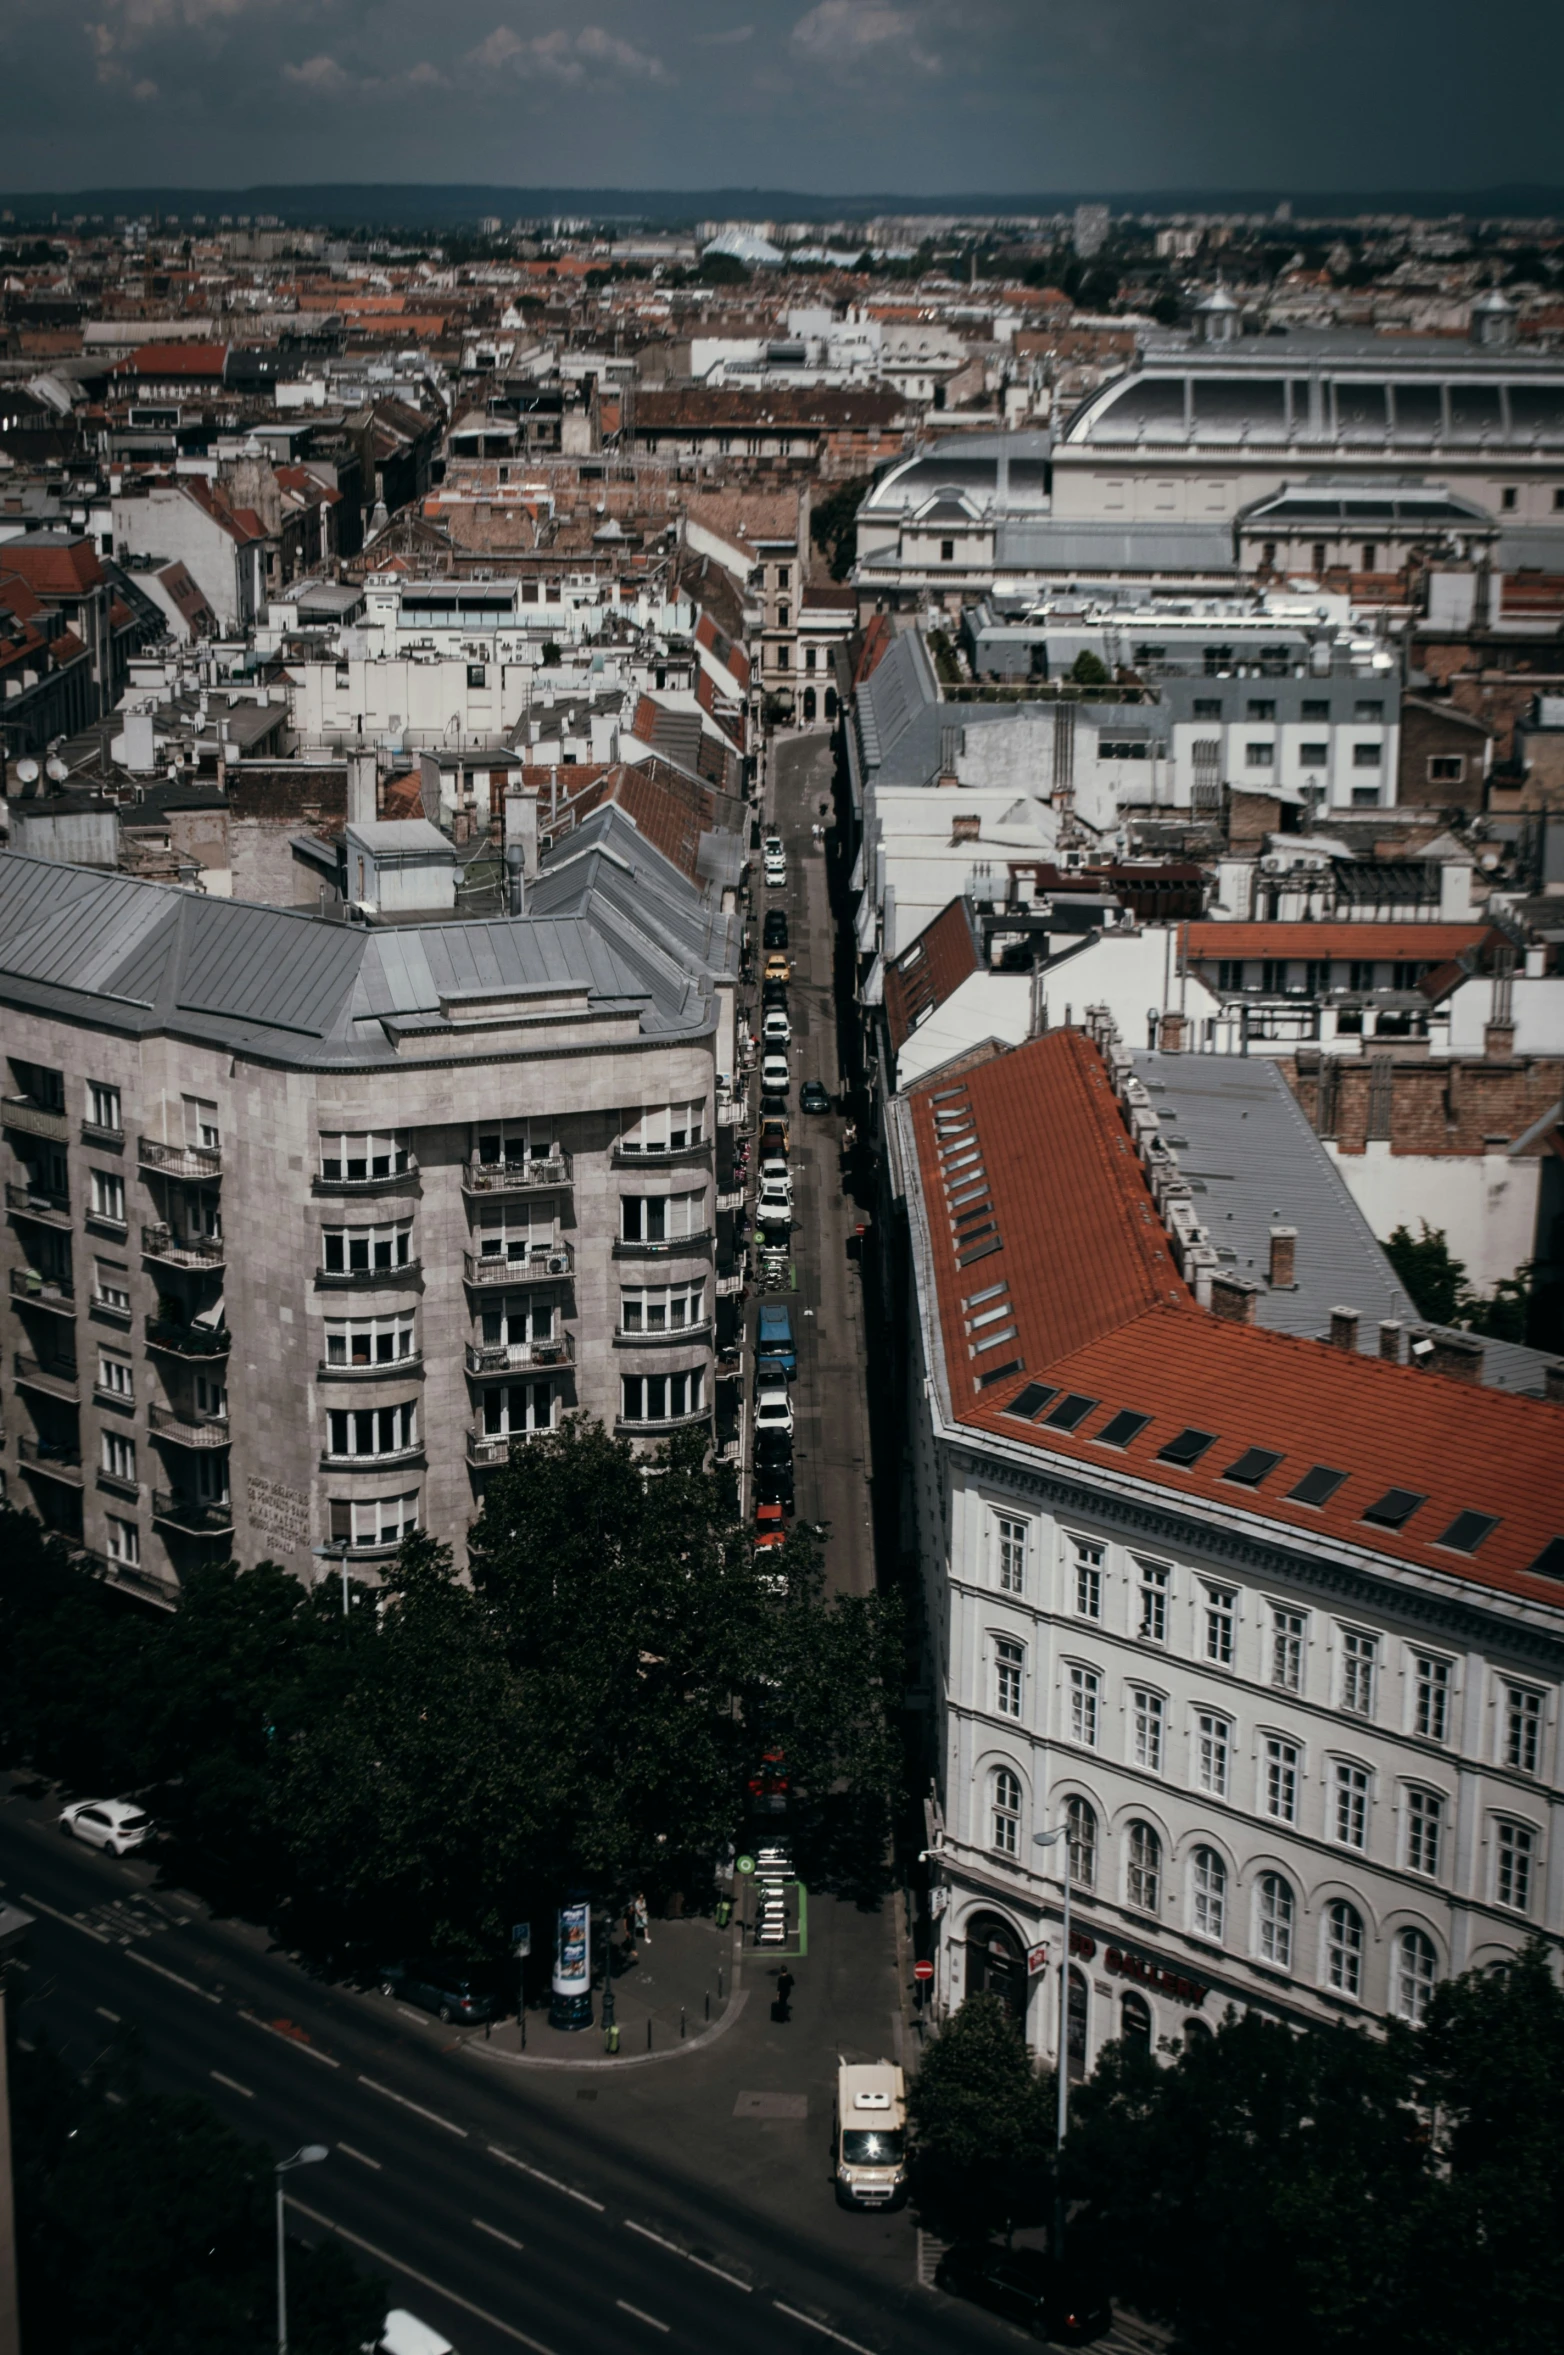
x=924, y=97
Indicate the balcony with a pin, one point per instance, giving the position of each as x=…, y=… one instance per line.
x=109, y=1140
x=390, y=1460
x=192, y=1515
x=180, y=1161
x=407, y=1271
x=659, y=1430
x=658, y=1156
x=45, y=1210
x=51, y=1459
x=204, y=1431
x=543, y=1175
x=55, y=1377
x=488, y=1449
x=671, y=1247
x=411, y=1365
x=625, y=1338
x=34, y=1120
x=542, y=1261
x=405, y=1180
x=208, y=1252
x=489, y=1360
x=32, y=1290
x=191, y=1341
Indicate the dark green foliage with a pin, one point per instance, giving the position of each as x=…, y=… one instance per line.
x=1089, y=670
x=946, y=661
x=1436, y=1279
x=833, y=524
x=984, y=2125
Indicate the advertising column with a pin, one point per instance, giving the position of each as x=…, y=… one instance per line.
x=571, y=2006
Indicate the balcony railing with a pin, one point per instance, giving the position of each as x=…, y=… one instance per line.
x=326, y=1371
x=541, y=1175
x=51, y=1458
x=670, y=1247
x=56, y=1376
x=628, y=1156
x=205, y=1431
x=540, y=1262
x=378, y=1462
x=93, y=1132
x=407, y=1271
x=627, y=1338
x=36, y=1291
x=388, y=1181
x=203, y=1251
x=180, y=1161
x=486, y=1449
x=632, y=1429
x=21, y=1112
x=203, y=1341
x=49, y=1210
x=193, y=1514
x=489, y=1358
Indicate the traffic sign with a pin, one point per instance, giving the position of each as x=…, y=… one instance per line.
x=1036, y=1960
x=923, y=1970
x=521, y=1938
x=744, y=1864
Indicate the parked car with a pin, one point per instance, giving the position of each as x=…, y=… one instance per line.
x=771, y=843
x=774, y=1410
x=812, y=1097
x=774, y=1074
x=769, y=1371
x=775, y=1028
x=773, y=932
x=774, y=1484
x=774, y=1206
x=441, y=1984
x=1023, y=2285
x=773, y=993
x=404, y=2334
x=777, y=967
x=774, y=1138
x=118, y=1825
x=774, y=1337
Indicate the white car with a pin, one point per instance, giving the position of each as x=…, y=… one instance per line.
x=774, y=1208
x=776, y=873
x=774, y=1074
x=776, y=1165
x=115, y=1824
x=775, y=1028
x=773, y=1411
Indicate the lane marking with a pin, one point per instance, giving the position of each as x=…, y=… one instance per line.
x=400, y=2265
x=69, y=1919
x=824, y=2328
x=625, y=2307
x=189, y=1985
x=552, y=2181
x=363, y=2157
x=417, y=2108
x=673, y=2247
x=232, y=2084
x=409, y=2014
x=299, y=2043
x=495, y=2234
x=104, y=2013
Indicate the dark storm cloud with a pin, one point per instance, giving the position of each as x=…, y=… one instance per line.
x=839, y=95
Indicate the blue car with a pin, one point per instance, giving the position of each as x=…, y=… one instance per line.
x=774, y=1338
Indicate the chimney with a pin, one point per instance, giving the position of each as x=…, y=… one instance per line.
x=1454, y=1356
x=1498, y=1042
x=1172, y=1028
x=1234, y=1299
x=1390, y=1339
x=521, y=827
x=1553, y=1384
x=1284, y=1259
x=363, y=783
x=1344, y=1329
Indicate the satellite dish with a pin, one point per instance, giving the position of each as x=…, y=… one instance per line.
x=27, y=772
x=56, y=769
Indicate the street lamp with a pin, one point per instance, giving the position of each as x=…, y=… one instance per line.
x=310, y=2156
x=1046, y=1840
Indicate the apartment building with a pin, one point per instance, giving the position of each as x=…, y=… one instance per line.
x=1275, y=1628
x=309, y=1222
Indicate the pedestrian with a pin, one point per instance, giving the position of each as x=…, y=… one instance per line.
x=784, y=2001
x=642, y=1923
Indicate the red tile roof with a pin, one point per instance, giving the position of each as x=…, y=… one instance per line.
x=943, y=956
x=1098, y=1307
x=175, y=359
x=1422, y=944
x=67, y=569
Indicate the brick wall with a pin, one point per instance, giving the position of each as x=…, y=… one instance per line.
x=1444, y=1107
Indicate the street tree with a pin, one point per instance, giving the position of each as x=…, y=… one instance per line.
x=983, y=2119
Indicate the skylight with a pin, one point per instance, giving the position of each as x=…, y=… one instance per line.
x=1318, y=1485
x=1394, y=1509
x=1550, y=1562
x=1122, y=1429
x=1070, y=1411
x=1467, y=1531
x=1031, y=1400
x=1188, y=1448
x=1253, y=1466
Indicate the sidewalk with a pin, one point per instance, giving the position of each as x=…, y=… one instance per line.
x=679, y=1989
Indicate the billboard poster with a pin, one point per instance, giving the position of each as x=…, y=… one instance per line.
x=573, y=1951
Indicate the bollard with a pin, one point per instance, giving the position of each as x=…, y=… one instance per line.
x=719, y=1982
x=648, y=2031
x=681, y=2019
x=708, y=2003
x=613, y=2036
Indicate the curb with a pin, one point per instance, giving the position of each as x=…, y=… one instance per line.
x=624, y=2060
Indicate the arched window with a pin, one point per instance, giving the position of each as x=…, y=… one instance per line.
x=830, y=703
x=1344, y=1948
x=1007, y=1812
x=1135, y=2021
x=1414, y=1971
x=1145, y=1876
x=1276, y=1919
x=1208, y=1889
x=809, y=702
x=1075, y=2032
x=1083, y=1844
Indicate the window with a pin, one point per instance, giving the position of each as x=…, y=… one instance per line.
x=1207, y=707
x=1082, y=1821
x=1413, y=1970
x=1430, y=1697
x=1425, y=1830
x=514, y=1143
x=1314, y=755
x=1221, y=1612
x=1522, y=1728
x=354, y=1157
x=1368, y=756
x=662, y=1308
x=1213, y=1743
x=1275, y=1919
x=371, y=1341
x=1281, y=1779
x=1147, y=1716
x=477, y=673
x=1350, y=1822
x=1154, y=1578
x=103, y=1111
x=1088, y=1578
x=518, y=1406
x=516, y=1320
x=1344, y=1948
x=1208, y=1890
x=201, y=1124
x=1085, y=1695
x=364, y=1523
x=1230, y=973
x=1370, y=557
x=811, y=658
x=1507, y=498
x=361, y=1250
x=211, y=1399
x=1512, y=1876
x=114, y=1376
x=1359, y=1663
x=1314, y=707
x=119, y=1455
x=1010, y=1549
x=108, y=1196
x=1369, y=709
x=1009, y=1670
x=1007, y=1812
x=947, y=551
x=1447, y=768
x=1259, y=756
x=662, y=1218
x=663, y=1398
x=113, y=1285
x=124, y=1537
x=1288, y=1629
x=1365, y=797
x=667, y=1128
x=784, y=576
x=1260, y=707
x=373, y=1430
x=1144, y=1886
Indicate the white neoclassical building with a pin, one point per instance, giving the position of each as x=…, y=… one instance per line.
x=1277, y=1625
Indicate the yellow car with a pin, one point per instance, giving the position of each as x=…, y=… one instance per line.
x=777, y=967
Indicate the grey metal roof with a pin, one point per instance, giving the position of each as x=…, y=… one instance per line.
x=1080, y=545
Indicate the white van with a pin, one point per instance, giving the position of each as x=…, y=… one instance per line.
x=870, y=2135
x=404, y=2334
